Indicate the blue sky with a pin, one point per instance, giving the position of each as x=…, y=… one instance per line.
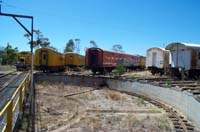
x=135, y=24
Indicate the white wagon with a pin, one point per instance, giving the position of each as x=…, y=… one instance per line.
x=185, y=57
x=157, y=60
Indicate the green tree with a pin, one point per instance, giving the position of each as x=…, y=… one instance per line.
x=39, y=41
x=117, y=48
x=1, y=54
x=9, y=55
x=70, y=46
x=93, y=44
x=120, y=70
x=44, y=42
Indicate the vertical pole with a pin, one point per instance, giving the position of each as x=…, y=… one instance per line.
x=176, y=55
x=0, y=7
x=9, y=117
x=21, y=98
x=32, y=90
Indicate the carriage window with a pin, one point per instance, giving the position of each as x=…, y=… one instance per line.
x=44, y=57
x=21, y=60
x=70, y=57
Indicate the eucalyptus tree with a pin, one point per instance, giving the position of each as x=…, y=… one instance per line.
x=117, y=48
x=93, y=44
x=70, y=46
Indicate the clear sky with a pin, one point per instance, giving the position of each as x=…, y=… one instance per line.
x=135, y=24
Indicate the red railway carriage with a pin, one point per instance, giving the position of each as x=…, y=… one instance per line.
x=99, y=60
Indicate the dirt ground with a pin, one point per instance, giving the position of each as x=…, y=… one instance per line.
x=131, y=74
x=145, y=74
x=61, y=108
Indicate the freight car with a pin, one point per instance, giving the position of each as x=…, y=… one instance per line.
x=185, y=59
x=157, y=60
x=23, y=61
x=74, y=60
x=48, y=60
x=102, y=61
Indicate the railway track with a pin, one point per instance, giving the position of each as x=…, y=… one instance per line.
x=179, y=122
x=8, y=84
x=191, y=86
x=6, y=78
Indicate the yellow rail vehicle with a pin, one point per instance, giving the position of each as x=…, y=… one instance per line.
x=23, y=61
x=74, y=60
x=142, y=62
x=48, y=60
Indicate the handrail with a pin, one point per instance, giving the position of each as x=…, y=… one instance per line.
x=12, y=104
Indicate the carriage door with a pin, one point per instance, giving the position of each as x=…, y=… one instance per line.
x=21, y=60
x=154, y=58
x=43, y=58
x=70, y=60
x=93, y=58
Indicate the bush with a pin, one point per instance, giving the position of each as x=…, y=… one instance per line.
x=120, y=69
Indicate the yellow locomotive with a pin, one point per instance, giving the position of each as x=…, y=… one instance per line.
x=48, y=60
x=23, y=60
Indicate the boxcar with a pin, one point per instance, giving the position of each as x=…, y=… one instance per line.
x=185, y=59
x=48, y=60
x=74, y=60
x=99, y=60
x=157, y=60
x=23, y=60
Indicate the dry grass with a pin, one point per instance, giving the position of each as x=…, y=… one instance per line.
x=7, y=68
x=71, y=113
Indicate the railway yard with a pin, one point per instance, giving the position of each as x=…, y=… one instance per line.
x=83, y=102
x=95, y=88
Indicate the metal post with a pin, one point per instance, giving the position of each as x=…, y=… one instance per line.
x=21, y=98
x=32, y=90
x=0, y=5
x=9, y=117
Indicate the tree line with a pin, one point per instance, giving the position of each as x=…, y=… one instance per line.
x=74, y=46
x=8, y=54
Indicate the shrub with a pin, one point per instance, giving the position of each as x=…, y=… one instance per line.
x=120, y=70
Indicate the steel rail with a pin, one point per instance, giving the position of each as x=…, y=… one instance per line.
x=7, y=74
